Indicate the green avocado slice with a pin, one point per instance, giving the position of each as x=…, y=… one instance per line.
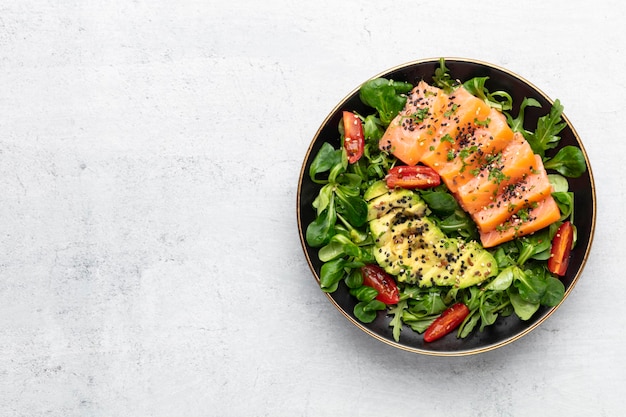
x=410, y=246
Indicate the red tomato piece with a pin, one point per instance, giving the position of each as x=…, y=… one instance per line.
x=354, y=140
x=449, y=320
x=376, y=277
x=411, y=177
x=561, y=247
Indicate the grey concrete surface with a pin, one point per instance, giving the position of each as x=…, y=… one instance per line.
x=150, y=263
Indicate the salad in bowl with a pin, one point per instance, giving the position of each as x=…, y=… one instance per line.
x=446, y=206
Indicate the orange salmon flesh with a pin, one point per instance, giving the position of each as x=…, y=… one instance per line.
x=492, y=171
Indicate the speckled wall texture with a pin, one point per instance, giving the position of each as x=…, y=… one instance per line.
x=150, y=263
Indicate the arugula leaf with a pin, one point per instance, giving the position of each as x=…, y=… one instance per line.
x=428, y=302
x=458, y=223
x=396, y=322
x=476, y=87
x=517, y=124
x=532, y=245
x=418, y=323
x=442, y=77
x=469, y=323
x=505, y=254
x=549, y=126
x=491, y=303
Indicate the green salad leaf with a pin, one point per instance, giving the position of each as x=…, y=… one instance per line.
x=442, y=77
x=341, y=230
x=500, y=100
x=568, y=161
x=517, y=124
x=327, y=158
x=396, y=322
x=386, y=96
x=366, y=311
x=548, y=128
x=321, y=230
x=440, y=202
x=331, y=273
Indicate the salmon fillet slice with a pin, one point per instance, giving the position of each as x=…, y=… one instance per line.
x=492, y=171
x=470, y=152
x=463, y=113
x=416, y=125
x=516, y=196
x=512, y=163
x=523, y=223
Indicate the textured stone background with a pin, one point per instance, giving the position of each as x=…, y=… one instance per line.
x=150, y=263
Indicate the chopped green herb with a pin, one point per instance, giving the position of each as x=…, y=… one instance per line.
x=447, y=138
x=497, y=176
x=420, y=115
x=442, y=77
x=483, y=123
x=452, y=110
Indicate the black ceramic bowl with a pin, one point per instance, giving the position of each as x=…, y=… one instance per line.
x=507, y=329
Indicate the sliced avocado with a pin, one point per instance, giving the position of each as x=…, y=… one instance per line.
x=404, y=246
x=375, y=190
x=392, y=199
x=393, y=221
x=410, y=246
x=460, y=264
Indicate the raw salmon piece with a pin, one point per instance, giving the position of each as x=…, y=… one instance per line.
x=513, y=162
x=461, y=116
x=523, y=223
x=514, y=197
x=469, y=154
x=407, y=134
